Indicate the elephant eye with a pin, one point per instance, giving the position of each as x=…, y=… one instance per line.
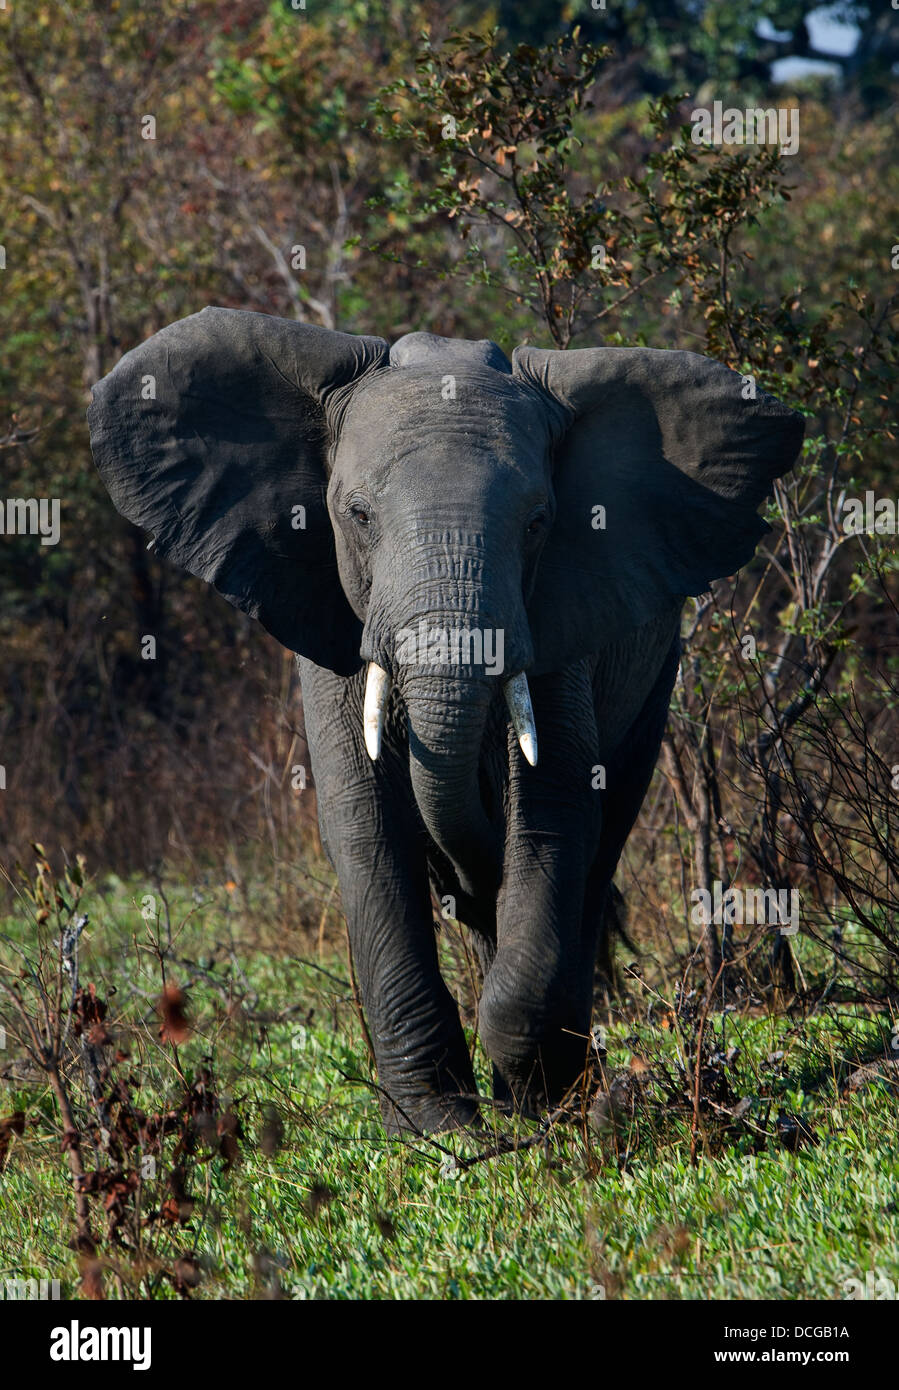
x=360, y=515
x=536, y=524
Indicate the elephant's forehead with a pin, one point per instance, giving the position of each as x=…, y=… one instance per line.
x=404, y=411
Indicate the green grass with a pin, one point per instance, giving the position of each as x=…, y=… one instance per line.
x=394, y=1219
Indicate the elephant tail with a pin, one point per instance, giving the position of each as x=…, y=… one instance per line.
x=612, y=927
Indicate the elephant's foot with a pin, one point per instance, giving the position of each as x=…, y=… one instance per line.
x=535, y=1063
x=535, y=1082
x=431, y=1114
x=428, y=1088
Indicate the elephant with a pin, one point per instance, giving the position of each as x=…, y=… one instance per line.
x=481, y=565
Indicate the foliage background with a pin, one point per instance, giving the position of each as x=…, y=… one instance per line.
x=323, y=127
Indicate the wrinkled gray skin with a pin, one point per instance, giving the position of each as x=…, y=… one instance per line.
x=442, y=482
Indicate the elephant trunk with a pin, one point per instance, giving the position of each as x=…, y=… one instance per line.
x=447, y=624
x=447, y=717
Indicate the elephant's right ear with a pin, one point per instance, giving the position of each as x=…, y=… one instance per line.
x=213, y=436
x=659, y=471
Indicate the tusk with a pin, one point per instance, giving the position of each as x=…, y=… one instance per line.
x=377, y=690
x=518, y=698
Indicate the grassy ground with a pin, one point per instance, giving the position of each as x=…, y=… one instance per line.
x=787, y=1199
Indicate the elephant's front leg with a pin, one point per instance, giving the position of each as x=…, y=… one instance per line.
x=376, y=844
x=535, y=1008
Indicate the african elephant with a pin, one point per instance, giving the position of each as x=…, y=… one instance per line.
x=467, y=554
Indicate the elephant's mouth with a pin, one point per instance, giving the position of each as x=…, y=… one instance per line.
x=515, y=691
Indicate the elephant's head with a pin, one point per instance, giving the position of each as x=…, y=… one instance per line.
x=357, y=499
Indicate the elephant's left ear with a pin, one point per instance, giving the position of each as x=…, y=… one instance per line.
x=658, y=476
x=213, y=436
